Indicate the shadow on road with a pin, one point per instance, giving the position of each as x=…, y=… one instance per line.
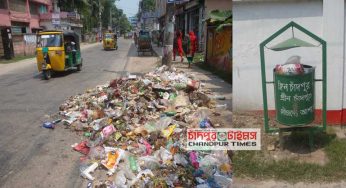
x=55, y=74
x=133, y=52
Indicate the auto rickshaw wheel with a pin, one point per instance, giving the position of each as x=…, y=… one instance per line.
x=47, y=74
x=79, y=66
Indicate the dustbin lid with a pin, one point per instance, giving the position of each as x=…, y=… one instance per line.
x=291, y=43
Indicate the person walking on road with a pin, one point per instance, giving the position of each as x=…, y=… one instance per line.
x=135, y=38
x=178, y=46
x=191, y=47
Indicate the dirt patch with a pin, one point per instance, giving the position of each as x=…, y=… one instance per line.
x=141, y=64
x=295, y=145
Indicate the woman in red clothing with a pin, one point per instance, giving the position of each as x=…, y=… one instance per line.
x=193, y=43
x=178, y=46
x=191, y=47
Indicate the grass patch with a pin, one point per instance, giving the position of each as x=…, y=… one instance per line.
x=199, y=61
x=256, y=164
x=16, y=59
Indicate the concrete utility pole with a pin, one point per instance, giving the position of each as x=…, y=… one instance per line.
x=100, y=21
x=169, y=35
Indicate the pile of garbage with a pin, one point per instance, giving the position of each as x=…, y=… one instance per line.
x=134, y=131
x=293, y=66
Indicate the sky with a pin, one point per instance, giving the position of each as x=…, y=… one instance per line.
x=130, y=7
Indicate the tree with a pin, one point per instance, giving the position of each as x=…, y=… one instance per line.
x=90, y=9
x=148, y=5
x=124, y=25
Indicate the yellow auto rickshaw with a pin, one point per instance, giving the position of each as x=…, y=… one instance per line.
x=58, y=51
x=110, y=41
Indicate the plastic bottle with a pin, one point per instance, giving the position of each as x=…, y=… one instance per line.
x=219, y=97
x=48, y=125
x=221, y=106
x=87, y=134
x=133, y=163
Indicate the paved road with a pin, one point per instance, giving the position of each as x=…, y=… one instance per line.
x=31, y=156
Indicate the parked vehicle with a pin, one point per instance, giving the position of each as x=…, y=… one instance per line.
x=144, y=43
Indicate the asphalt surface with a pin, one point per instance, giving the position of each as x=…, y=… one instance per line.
x=32, y=156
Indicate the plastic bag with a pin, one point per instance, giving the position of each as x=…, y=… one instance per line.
x=223, y=181
x=82, y=147
x=194, y=159
x=181, y=101
x=120, y=179
x=163, y=123
x=205, y=123
x=112, y=160
x=97, y=153
x=148, y=149
x=150, y=127
x=148, y=162
x=144, y=175
x=180, y=159
x=168, y=131
x=165, y=155
x=291, y=67
x=107, y=131
x=200, y=114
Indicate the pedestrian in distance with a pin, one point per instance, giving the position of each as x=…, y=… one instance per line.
x=193, y=43
x=191, y=47
x=178, y=46
x=135, y=38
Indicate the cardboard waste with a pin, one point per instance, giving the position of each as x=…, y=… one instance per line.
x=134, y=132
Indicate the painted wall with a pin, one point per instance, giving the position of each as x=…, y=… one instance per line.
x=209, y=6
x=4, y=18
x=218, y=49
x=256, y=21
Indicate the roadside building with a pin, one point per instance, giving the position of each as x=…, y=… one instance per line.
x=18, y=20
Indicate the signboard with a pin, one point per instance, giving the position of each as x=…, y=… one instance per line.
x=223, y=139
x=177, y=1
x=71, y=14
x=55, y=15
x=149, y=15
x=16, y=29
x=56, y=21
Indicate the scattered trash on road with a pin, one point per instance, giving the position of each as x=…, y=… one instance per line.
x=51, y=125
x=134, y=132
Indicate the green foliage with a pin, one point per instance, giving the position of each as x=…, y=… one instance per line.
x=90, y=11
x=217, y=15
x=148, y=5
x=220, y=19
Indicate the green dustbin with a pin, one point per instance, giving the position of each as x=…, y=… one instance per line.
x=295, y=97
